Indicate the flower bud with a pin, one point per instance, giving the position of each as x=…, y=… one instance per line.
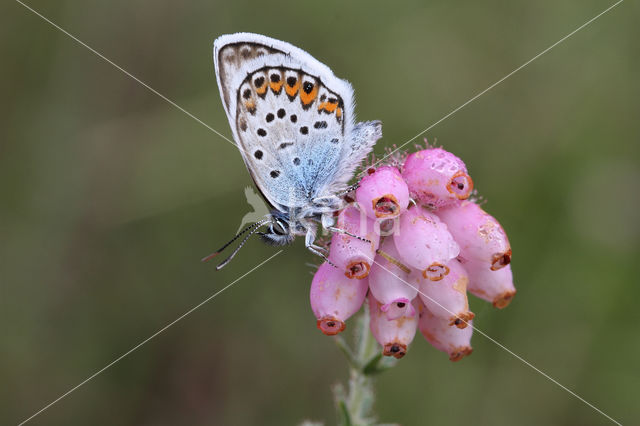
x=479, y=235
x=388, y=283
x=352, y=255
x=383, y=194
x=334, y=298
x=447, y=298
x=424, y=243
x=493, y=286
x=436, y=177
x=452, y=340
x=394, y=335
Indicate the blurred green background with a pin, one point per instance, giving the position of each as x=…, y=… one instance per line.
x=110, y=196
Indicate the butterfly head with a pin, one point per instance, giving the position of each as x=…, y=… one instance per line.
x=280, y=231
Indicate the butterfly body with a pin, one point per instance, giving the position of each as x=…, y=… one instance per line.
x=293, y=121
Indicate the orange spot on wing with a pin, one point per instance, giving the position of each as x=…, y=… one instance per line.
x=292, y=90
x=307, y=98
x=330, y=107
x=276, y=86
x=262, y=89
x=339, y=112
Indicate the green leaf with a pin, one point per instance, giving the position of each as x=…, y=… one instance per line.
x=378, y=364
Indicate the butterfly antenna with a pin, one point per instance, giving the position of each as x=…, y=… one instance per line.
x=253, y=226
x=231, y=256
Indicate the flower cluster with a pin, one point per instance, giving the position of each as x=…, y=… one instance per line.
x=413, y=244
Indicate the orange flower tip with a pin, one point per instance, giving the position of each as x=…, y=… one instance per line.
x=500, y=260
x=460, y=352
x=460, y=185
x=358, y=270
x=331, y=326
x=386, y=206
x=503, y=299
x=462, y=320
x=435, y=272
x=397, y=350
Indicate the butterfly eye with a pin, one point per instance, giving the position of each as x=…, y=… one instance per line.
x=279, y=228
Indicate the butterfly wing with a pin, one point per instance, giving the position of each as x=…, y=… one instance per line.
x=292, y=118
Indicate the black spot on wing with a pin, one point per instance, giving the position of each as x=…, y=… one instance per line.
x=307, y=87
x=275, y=173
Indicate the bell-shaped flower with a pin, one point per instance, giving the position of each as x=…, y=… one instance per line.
x=447, y=298
x=354, y=255
x=383, y=194
x=424, y=243
x=334, y=298
x=479, y=234
x=393, y=335
x=491, y=285
x=388, y=283
x=436, y=177
x=456, y=342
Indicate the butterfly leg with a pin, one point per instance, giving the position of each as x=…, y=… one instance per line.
x=342, y=231
x=348, y=190
x=315, y=249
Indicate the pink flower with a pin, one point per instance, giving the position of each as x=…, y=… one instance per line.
x=354, y=256
x=480, y=236
x=334, y=298
x=388, y=283
x=420, y=275
x=447, y=298
x=383, y=194
x=436, y=178
x=452, y=340
x=424, y=243
x=495, y=286
x=393, y=335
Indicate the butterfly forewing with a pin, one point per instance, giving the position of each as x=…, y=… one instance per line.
x=290, y=115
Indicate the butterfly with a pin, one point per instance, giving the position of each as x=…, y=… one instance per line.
x=294, y=123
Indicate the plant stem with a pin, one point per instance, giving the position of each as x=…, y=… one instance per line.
x=355, y=408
